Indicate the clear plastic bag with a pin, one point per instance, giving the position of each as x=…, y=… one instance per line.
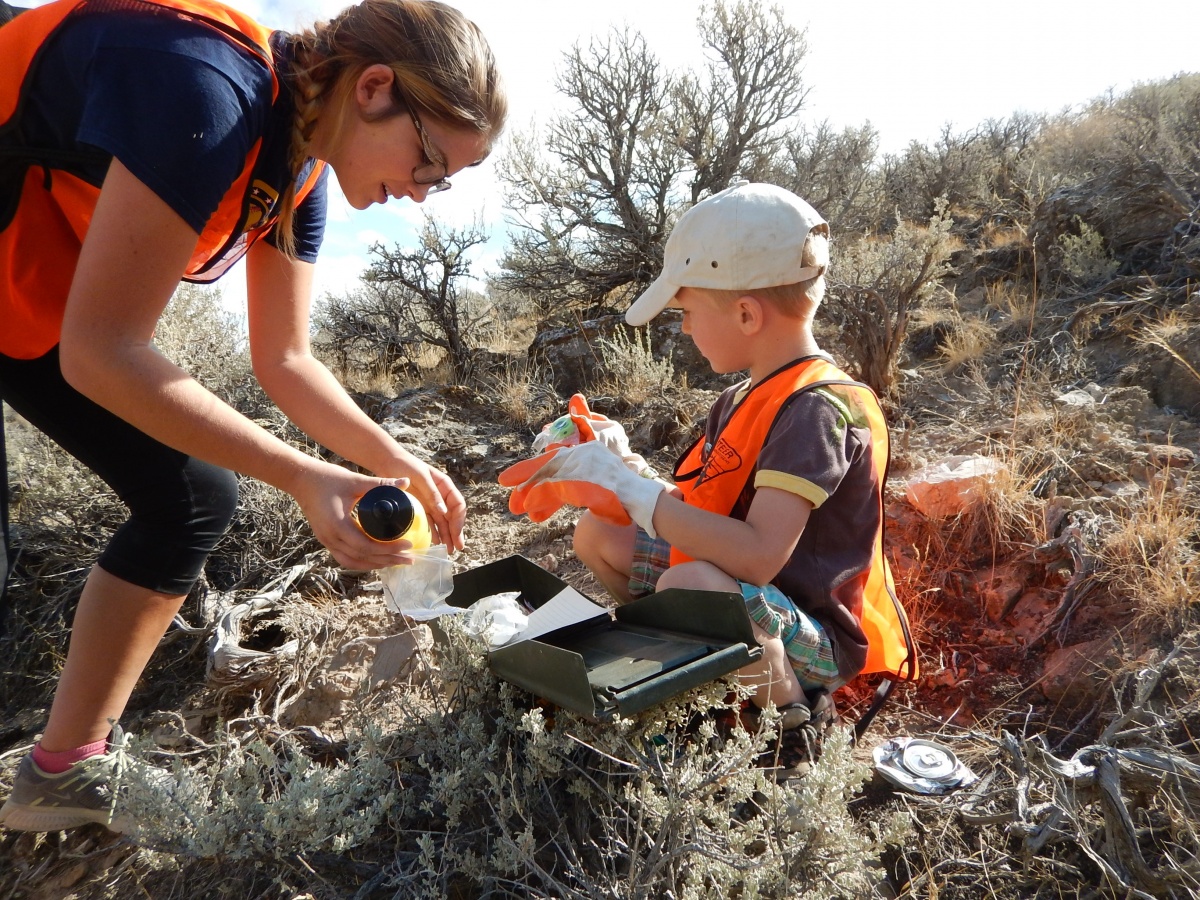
x=418, y=590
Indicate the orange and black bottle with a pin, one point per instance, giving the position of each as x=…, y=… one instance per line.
x=386, y=513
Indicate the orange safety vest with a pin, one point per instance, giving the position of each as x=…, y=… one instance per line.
x=48, y=217
x=890, y=647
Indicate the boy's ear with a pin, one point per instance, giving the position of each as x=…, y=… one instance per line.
x=750, y=314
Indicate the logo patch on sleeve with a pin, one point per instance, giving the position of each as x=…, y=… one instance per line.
x=261, y=203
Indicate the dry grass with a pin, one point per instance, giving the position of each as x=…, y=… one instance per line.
x=509, y=334
x=1003, y=518
x=1013, y=300
x=431, y=367
x=1152, y=554
x=967, y=345
x=995, y=236
x=370, y=379
x=1173, y=329
x=522, y=394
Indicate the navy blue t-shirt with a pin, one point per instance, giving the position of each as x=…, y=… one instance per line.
x=178, y=104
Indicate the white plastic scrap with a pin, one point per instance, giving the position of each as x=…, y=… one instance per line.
x=947, y=487
x=496, y=619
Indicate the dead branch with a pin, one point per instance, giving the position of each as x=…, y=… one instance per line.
x=1098, y=798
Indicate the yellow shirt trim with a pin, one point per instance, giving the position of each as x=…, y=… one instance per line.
x=793, y=484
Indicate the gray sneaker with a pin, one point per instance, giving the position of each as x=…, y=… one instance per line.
x=86, y=792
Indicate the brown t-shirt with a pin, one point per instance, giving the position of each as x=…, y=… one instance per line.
x=820, y=449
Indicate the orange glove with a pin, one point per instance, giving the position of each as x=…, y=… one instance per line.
x=580, y=425
x=586, y=475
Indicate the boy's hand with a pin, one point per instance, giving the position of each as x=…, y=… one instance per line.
x=587, y=475
x=592, y=426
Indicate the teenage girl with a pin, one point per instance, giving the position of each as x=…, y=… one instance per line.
x=145, y=141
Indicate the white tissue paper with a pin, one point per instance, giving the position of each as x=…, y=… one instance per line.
x=417, y=590
x=496, y=619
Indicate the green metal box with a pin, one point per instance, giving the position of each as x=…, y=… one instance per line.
x=612, y=662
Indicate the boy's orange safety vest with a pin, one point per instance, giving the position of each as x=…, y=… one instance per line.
x=890, y=648
x=45, y=210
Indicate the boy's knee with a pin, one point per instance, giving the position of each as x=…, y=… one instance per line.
x=585, y=538
x=596, y=539
x=696, y=576
x=586, y=525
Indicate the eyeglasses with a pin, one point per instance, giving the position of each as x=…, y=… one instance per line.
x=432, y=172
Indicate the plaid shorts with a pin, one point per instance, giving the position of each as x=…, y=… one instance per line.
x=808, y=647
x=651, y=557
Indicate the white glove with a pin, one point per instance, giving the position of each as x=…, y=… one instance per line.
x=612, y=435
x=587, y=475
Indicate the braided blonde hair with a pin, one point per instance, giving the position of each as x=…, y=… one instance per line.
x=442, y=64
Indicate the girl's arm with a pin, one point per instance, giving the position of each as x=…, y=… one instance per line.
x=279, y=293
x=135, y=249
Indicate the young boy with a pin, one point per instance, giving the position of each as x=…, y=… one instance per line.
x=781, y=499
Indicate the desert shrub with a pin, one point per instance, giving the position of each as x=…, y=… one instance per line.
x=877, y=283
x=457, y=786
x=504, y=798
x=209, y=342
x=630, y=369
x=1085, y=257
x=365, y=334
x=952, y=170
x=241, y=798
x=1156, y=122
x=834, y=171
x=980, y=171
x=422, y=292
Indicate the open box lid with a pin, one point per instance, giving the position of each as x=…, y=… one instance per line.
x=580, y=656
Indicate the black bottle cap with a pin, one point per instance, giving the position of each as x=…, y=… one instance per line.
x=385, y=512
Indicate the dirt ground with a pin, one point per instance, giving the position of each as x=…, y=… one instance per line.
x=985, y=594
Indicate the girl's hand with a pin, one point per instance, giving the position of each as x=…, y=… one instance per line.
x=327, y=494
x=444, y=505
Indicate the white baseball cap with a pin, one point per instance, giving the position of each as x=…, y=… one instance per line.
x=747, y=236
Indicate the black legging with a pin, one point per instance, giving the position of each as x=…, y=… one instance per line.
x=179, y=506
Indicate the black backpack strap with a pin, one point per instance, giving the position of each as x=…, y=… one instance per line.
x=881, y=695
x=7, y=14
